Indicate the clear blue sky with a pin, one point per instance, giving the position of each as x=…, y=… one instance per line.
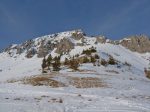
x=21, y=20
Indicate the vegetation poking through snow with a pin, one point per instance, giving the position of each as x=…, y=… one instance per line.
x=104, y=62
x=41, y=80
x=44, y=65
x=88, y=56
x=112, y=61
x=74, y=64
x=56, y=64
x=89, y=51
x=86, y=59
x=127, y=64
x=147, y=73
x=87, y=82
x=93, y=60
x=49, y=61
x=97, y=56
x=66, y=61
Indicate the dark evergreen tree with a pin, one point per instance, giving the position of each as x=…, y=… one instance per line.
x=89, y=51
x=56, y=64
x=98, y=63
x=74, y=64
x=111, y=61
x=103, y=62
x=66, y=61
x=86, y=60
x=96, y=56
x=93, y=60
x=49, y=61
x=44, y=64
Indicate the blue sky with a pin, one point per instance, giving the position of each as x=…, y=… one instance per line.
x=21, y=20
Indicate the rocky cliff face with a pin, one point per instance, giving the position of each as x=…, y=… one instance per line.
x=101, y=39
x=64, y=42
x=139, y=43
x=64, y=46
x=42, y=46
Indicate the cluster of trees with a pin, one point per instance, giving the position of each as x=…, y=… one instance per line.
x=73, y=62
x=97, y=61
x=56, y=64
x=89, y=51
x=96, y=58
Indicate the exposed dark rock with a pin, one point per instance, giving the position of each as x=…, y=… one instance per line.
x=50, y=46
x=28, y=44
x=64, y=46
x=19, y=50
x=31, y=53
x=43, y=51
x=78, y=35
x=139, y=44
x=101, y=39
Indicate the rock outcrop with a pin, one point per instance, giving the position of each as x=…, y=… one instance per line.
x=64, y=42
x=139, y=44
x=31, y=53
x=78, y=34
x=101, y=39
x=42, y=50
x=64, y=46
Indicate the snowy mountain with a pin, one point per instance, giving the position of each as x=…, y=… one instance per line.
x=66, y=41
x=127, y=87
x=71, y=43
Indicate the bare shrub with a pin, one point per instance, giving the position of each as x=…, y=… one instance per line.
x=103, y=62
x=86, y=82
x=112, y=71
x=39, y=81
x=147, y=73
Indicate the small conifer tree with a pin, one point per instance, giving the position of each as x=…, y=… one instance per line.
x=98, y=63
x=56, y=64
x=103, y=62
x=74, y=64
x=96, y=56
x=93, y=60
x=44, y=64
x=66, y=61
x=49, y=61
x=86, y=60
x=111, y=61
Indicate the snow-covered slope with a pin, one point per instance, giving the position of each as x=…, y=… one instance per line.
x=22, y=66
x=127, y=87
x=14, y=61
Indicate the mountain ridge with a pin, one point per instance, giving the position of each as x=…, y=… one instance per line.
x=64, y=42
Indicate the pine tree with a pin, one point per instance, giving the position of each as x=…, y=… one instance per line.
x=44, y=64
x=93, y=60
x=74, y=64
x=96, y=56
x=103, y=62
x=86, y=60
x=66, y=61
x=49, y=61
x=56, y=64
x=98, y=63
x=111, y=61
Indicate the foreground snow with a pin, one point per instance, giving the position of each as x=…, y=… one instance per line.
x=125, y=92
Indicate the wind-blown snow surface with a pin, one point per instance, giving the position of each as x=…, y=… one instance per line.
x=127, y=88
